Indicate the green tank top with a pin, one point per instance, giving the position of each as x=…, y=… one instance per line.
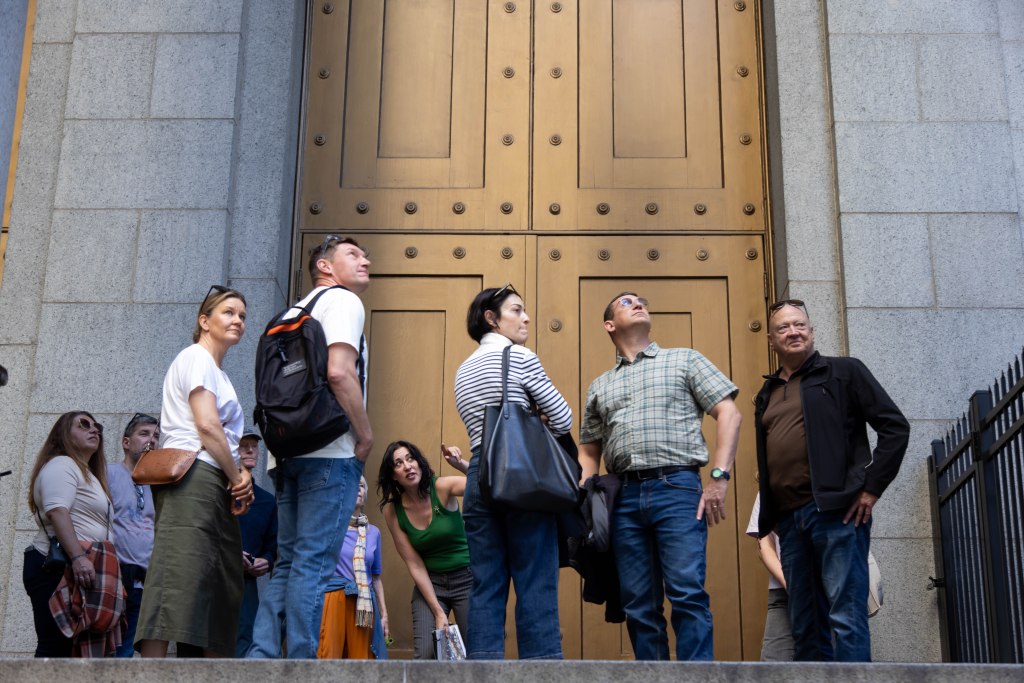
x=442, y=545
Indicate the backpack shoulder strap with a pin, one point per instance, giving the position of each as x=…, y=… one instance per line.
x=308, y=308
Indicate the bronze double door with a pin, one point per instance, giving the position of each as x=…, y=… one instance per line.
x=576, y=149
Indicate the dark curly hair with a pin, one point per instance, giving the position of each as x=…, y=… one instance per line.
x=389, y=490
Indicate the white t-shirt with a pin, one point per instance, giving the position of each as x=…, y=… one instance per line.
x=752, y=532
x=340, y=312
x=194, y=367
x=61, y=484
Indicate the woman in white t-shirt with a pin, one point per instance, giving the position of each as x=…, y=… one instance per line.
x=68, y=495
x=194, y=582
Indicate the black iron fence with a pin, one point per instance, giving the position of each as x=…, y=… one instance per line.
x=977, y=480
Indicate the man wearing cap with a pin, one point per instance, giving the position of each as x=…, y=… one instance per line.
x=259, y=540
x=820, y=479
x=133, y=518
x=645, y=416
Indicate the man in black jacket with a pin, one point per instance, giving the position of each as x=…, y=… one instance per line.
x=820, y=480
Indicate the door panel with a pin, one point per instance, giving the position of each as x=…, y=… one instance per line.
x=416, y=333
x=705, y=293
x=409, y=106
x=660, y=127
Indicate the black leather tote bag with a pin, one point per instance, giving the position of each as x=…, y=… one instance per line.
x=523, y=466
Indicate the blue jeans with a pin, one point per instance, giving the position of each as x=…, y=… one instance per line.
x=132, y=603
x=315, y=501
x=661, y=549
x=826, y=567
x=511, y=544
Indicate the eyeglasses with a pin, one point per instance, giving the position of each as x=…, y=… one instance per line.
x=501, y=292
x=628, y=301
x=83, y=423
x=140, y=497
x=218, y=289
x=787, y=302
x=136, y=419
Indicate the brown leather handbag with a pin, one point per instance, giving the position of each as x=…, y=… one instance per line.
x=163, y=465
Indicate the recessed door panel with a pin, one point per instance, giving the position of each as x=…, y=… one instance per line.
x=706, y=294
x=647, y=117
x=417, y=116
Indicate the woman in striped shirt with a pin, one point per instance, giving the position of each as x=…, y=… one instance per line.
x=508, y=544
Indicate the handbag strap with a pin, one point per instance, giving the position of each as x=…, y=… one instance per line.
x=505, y=355
x=505, y=362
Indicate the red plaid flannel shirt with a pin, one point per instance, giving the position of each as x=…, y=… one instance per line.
x=93, y=617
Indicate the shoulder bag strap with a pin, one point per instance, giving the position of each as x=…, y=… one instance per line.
x=308, y=308
x=505, y=355
x=360, y=364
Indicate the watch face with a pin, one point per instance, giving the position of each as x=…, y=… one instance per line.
x=718, y=473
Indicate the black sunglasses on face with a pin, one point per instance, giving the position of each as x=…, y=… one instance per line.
x=83, y=423
x=787, y=302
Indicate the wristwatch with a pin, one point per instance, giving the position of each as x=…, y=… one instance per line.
x=719, y=473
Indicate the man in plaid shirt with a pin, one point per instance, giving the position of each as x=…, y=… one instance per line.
x=645, y=416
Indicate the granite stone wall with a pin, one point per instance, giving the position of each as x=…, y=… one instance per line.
x=157, y=158
x=911, y=198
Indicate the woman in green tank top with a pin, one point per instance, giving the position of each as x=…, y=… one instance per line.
x=423, y=516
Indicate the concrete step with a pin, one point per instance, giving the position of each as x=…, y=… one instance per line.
x=313, y=671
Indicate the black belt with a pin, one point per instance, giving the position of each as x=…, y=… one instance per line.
x=655, y=472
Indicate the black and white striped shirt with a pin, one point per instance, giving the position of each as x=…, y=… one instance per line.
x=478, y=385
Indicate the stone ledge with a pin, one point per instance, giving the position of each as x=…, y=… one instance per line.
x=309, y=671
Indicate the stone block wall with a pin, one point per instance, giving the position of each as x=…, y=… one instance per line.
x=898, y=159
x=157, y=158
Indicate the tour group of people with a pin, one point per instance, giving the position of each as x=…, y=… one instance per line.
x=151, y=566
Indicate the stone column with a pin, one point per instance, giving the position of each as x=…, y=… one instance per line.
x=157, y=158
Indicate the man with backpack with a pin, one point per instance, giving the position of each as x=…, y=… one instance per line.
x=316, y=491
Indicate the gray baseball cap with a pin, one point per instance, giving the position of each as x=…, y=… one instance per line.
x=251, y=431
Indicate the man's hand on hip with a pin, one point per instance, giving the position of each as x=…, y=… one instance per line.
x=860, y=510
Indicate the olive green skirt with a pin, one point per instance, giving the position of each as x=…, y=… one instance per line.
x=193, y=588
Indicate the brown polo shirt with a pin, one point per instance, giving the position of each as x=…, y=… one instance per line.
x=786, y=446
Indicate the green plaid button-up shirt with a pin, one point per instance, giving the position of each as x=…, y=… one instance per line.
x=648, y=413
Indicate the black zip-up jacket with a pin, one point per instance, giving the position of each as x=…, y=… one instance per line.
x=839, y=397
